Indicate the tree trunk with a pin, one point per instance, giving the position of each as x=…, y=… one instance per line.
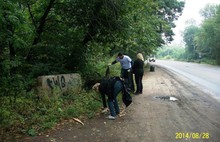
x=39, y=29
x=92, y=31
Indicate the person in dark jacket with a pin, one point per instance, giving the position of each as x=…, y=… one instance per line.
x=138, y=70
x=110, y=88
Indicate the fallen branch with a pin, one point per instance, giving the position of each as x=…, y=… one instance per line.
x=79, y=121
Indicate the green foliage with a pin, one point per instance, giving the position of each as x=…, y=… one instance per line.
x=62, y=36
x=97, y=61
x=208, y=61
x=189, y=38
x=54, y=37
x=32, y=132
x=85, y=104
x=202, y=43
x=45, y=110
x=209, y=11
x=171, y=52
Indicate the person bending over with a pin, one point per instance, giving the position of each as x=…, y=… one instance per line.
x=110, y=88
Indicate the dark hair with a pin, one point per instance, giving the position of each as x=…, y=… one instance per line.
x=120, y=54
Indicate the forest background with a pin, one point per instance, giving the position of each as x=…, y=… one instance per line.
x=201, y=42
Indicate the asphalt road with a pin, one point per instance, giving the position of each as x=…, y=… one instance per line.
x=207, y=77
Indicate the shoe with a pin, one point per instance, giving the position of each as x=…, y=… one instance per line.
x=110, y=117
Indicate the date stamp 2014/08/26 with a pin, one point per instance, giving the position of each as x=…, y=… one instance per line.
x=192, y=135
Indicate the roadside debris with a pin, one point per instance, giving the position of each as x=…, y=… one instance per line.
x=122, y=113
x=79, y=121
x=169, y=98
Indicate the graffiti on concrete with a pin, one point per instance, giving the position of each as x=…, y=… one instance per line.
x=65, y=82
x=56, y=81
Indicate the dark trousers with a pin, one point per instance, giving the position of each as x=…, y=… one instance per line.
x=138, y=81
x=128, y=77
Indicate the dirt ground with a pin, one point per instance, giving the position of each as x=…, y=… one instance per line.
x=195, y=116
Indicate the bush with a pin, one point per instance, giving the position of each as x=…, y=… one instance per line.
x=35, y=113
x=26, y=111
x=96, y=65
x=209, y=61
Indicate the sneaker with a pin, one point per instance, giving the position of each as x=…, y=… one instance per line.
x=110, y=117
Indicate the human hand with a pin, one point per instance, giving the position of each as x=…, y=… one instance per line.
x=105, y=110
x=109, y=64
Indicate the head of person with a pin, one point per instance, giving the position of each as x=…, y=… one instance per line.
x=140, y=56
x=120, y=55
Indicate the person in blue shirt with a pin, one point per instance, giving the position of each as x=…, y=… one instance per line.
x=126, y=66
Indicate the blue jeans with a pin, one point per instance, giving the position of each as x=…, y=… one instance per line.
x=113, y=103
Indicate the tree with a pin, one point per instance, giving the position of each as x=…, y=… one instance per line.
x=168, y=11
x=189, y=38
x=171, y=52
x=41, y=37
x=207, y=39
x=209, y=11
x=57, y=36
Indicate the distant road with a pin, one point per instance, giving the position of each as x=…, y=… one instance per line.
x=207, y=76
